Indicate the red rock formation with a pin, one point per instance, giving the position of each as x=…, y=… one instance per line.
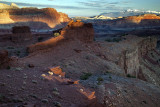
x=46, y=15
x=138, y=19
x=74, y=31
x=79, y=30
x=45, y=45
x=21, y=34
x=4, y=17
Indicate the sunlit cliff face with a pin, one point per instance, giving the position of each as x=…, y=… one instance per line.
x=49, y=16
x=138, y=19
x=5, y=17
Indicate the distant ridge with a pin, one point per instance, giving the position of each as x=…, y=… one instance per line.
x=5, y=6
x=129, y=12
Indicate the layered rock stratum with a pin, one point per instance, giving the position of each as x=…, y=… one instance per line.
x=27, y=16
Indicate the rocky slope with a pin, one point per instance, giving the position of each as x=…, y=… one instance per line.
x=73, y=64
x=83, y=32
x=48, y=16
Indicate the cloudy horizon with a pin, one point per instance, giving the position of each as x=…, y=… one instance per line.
x=89, y=7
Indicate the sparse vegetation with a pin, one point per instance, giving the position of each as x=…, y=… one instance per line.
x=144, y=102
x=130, y=76
x=106, y=72
x=124, y=34
x=8, y=67
x=99, y=79
x=40, y=39
x=85, y=76
x=114, y=40
x=108, y=40
x=56, y=34
x=10, y=47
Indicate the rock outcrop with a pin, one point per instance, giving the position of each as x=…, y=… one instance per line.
x=21, y=34
x=5, y=17
x=128, y=53
x=4, y=59
x=131, y=57
x=146, y=45
x=21, y=29
x=129, y=61
x=73, y=31
x=79, y=30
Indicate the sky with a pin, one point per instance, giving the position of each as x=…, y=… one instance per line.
x=89, y=7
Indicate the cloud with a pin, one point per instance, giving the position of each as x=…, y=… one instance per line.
x=41, y=5
x=105, y=5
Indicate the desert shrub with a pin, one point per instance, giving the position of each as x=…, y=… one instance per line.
x=108, y=40
x=130, y=76
x=113, y=40
x=40, y=39
x=106, y=72
x=56, y=34
x=99, y=79
x=10, y=47
x=8, y=67
x=124, y=34
x=85, y=76
x=116, y=39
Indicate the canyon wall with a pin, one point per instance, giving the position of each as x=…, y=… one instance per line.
x=4, y=17
x=49, y=16
x=130, y=58
x=147, y=45
x=129, y=61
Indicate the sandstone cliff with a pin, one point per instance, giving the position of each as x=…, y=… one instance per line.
x=138, y=19
x=46, y=15
x=5, y=17
x=146, y=20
